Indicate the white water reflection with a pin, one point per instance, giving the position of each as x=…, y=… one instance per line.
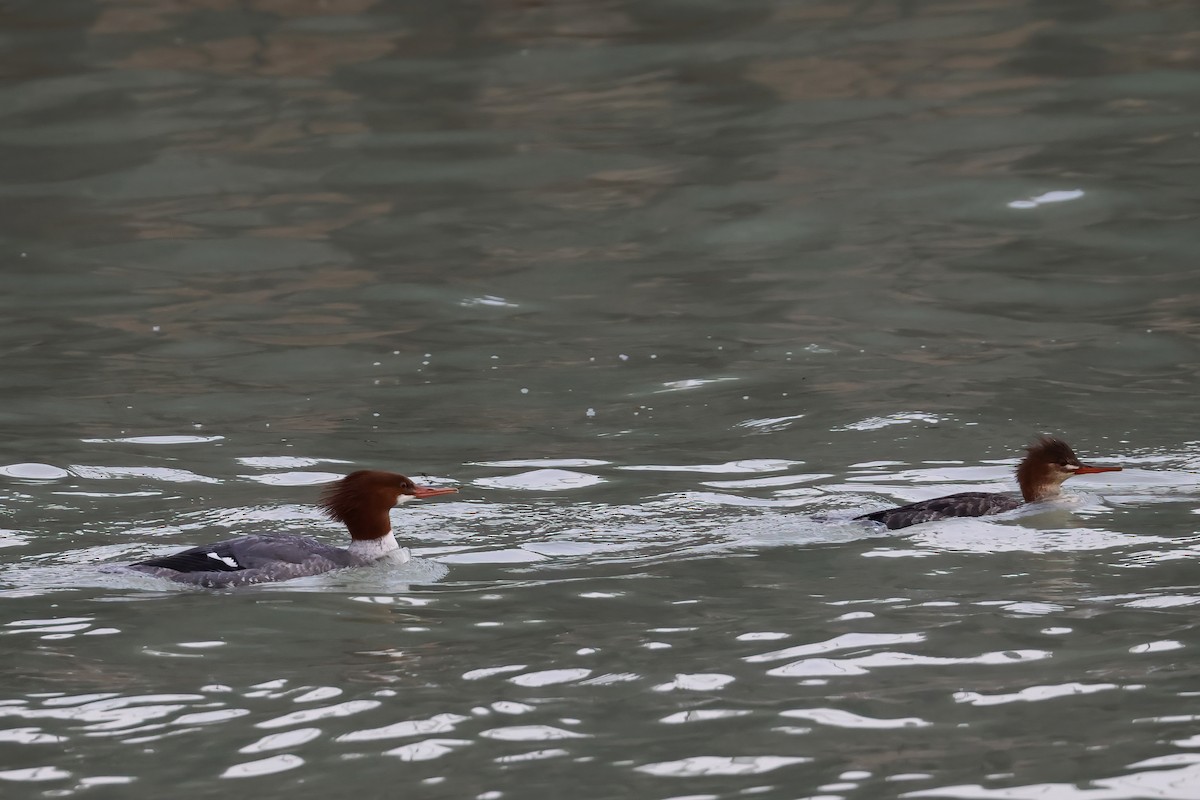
x=767, y=483
x=165, y=439
x=1033, y=694
x=282, y=741
x=29, y=736
x=744, y=465
x=985, y=536
x=541, y=480
x=1157, y=647
x=533, y=755
x=313, y=714
x=294, y=478
x=439, y=723
x=487, y=672
x=543, y=462
x=426, y=750
x=1160, y=784
x=34, y=774
x=266, y=766
x=550, y=677
x=691, y=383
x=531, y=733
x=517, y=556
x=1056, y=196
x=1165, y=601
x=898, y=418
x=720, y=765
x=837, y=718
x=165, y=474
x=703, y=715
x=848, y=641
x=862, y=665
x=700, y=682
x=770, y=424
x=285, y=462
x=34, y=472
x=489, y=301
x=762, y=636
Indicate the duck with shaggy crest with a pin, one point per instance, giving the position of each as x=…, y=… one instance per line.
x=360, y=501
x=1047, y=463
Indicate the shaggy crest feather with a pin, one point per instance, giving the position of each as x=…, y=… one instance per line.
x=361, y=501
x=1044, y=468
x=1053, y=449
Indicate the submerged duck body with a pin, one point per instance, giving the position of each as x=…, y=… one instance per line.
x=1047, y=463
x=361, y=501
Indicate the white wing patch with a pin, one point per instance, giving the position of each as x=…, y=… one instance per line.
x=228, y=561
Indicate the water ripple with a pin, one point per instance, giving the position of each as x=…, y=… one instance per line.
x=265, y=766
x=439, y=723
x=720, y=765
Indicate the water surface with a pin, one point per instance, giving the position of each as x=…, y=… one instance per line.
x=670, y=290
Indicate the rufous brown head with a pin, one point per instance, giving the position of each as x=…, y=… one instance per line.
x=362, y=499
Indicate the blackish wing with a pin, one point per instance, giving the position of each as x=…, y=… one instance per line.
x=963, y=504
x=262, y=558
x=216, y=558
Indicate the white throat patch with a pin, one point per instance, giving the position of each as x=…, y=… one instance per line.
x=375, y=549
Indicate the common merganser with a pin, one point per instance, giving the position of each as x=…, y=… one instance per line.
x=1048, y=463
x=360, y=501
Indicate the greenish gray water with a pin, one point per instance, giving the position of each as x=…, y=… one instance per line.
x=671, y=291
